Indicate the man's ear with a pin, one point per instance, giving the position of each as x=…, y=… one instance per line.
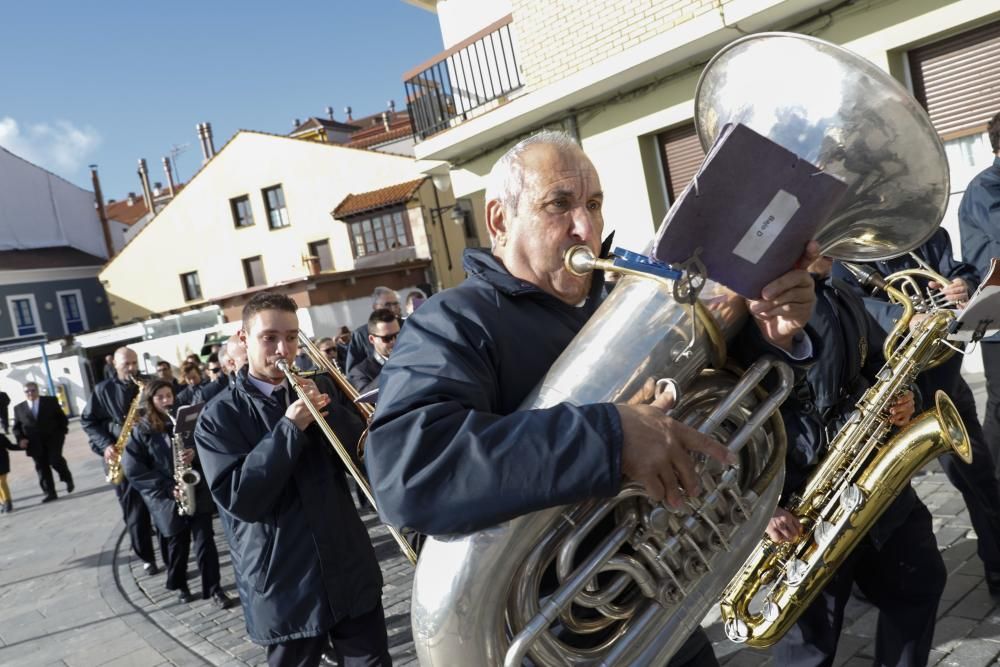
x=496, y=222
x=243, y=338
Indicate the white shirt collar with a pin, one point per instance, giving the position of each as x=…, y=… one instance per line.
x=265, y=387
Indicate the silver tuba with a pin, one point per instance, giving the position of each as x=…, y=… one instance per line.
x=634, y=578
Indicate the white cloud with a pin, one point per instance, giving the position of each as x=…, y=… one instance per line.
x=61, y=146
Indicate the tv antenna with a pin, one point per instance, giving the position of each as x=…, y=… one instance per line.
x=175, y=151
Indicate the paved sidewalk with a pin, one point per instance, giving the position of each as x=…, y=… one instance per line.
x=72, y=594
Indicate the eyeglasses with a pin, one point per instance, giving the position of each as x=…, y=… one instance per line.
x=389, y=304
x=214, y=369
x=388, y=338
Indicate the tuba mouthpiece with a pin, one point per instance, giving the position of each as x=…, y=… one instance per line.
x=580, y=260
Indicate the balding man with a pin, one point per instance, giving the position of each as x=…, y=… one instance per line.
x=236, y=356
x=360, y=346
x=102, y=419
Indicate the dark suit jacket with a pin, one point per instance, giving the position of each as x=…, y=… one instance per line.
x=364, y=375
x=42, y=432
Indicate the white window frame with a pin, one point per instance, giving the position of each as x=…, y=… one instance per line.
x=79, y=302
x=34, y=313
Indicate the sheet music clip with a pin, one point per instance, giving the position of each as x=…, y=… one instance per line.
x=980, y=331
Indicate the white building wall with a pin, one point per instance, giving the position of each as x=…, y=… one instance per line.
x=196, y=231
x=39, y=210
x=461, y=18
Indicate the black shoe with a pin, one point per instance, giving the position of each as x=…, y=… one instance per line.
x=185, y=596
x=70, y=486
x=150, y=568
x=993, y=583
x=49, y=498
x=220, y=600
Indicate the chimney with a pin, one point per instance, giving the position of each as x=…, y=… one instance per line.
x=101, y=214
x=347, y=110
x=157, y=189
x=392, y=109
x=205, y=138
x=209, y=140
x=131, y=199
x=295, y=123
x=385, y=120
x=170, y=175
x=147, y=192
x=329, y=113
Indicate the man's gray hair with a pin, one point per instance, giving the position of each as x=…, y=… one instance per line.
x=506, y=180
x=381, y=292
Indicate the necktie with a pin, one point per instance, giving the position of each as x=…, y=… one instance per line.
x=279, y=395
x=34, y=408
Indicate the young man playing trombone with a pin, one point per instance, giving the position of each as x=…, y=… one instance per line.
x=305, y=567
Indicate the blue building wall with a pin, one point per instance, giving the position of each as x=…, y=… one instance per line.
x=95, y=305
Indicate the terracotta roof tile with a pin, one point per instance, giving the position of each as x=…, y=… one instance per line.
x=47, y=258
x=398, y=129
x=121, y=211
x=363, y=202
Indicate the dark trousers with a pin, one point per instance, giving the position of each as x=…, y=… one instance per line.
x=136, y=515
x=178, y=548
x=976, y=481
x=48, y=459
x=695, y=652
x=357, y=642
x=991, y=420
x=904, y=580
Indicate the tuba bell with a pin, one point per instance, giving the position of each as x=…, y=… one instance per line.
x=634, y=577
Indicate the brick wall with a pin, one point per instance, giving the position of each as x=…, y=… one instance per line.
x=557, y=38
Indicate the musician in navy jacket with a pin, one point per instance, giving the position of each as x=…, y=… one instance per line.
x=448, y=450
x=976, y=480
x=102, y=420
x=897, y=564
x=305, y=566
x=149, y=466
x=979, y=224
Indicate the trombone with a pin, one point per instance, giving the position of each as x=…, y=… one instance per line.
x=342, y=452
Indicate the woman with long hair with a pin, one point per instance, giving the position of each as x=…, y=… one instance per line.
x=149, y=467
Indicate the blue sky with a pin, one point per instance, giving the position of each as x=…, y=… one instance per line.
x=108, y=82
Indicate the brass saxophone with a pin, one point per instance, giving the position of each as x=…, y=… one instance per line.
x=848, y=491
x=185, y=478
x=116, y=473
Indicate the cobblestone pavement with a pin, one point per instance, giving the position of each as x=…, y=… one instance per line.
x=72, y=594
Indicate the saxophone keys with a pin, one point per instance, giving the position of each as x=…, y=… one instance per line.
x=770, y=611
x=852, y=498
x=825, y=531
x=737, y=630
x=795, y=571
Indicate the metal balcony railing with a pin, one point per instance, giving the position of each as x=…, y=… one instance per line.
x=467, y=79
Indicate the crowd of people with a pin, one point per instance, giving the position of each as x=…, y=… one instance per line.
x=448, y=450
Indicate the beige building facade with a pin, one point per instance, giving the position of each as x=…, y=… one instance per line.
x=259, y=215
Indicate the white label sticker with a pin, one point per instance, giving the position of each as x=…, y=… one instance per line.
x=767, y=226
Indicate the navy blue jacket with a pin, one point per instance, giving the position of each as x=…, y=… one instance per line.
x=364, y=375
x=845, y=368
x=200, y=393
x=6, y=444
x=149, y=466
x=102, y=418
x=979, y=219
x=448, y=451
x=979, y=222
x=302, y=556
x=937, y=254
x=359, y=348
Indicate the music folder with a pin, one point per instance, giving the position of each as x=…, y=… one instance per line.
x=186, y=418
x=981, y=316
x=748, y=212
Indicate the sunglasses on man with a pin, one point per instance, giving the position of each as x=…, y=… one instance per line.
x=387, y=338
x=214, y=369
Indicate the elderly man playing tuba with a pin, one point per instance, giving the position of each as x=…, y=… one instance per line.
x=448, y=450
